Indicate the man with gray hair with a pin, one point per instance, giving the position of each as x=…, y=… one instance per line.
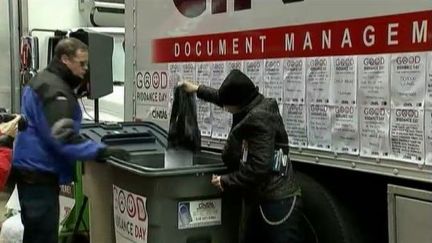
x=44, y=158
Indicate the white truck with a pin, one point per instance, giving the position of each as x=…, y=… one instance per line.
x=353, y=80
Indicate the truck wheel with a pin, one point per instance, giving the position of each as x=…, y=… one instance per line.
x=324, y=219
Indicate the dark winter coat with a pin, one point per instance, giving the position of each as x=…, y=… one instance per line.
x=259, y=127
x=48, y=98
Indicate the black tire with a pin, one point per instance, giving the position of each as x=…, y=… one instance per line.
x=326, y=220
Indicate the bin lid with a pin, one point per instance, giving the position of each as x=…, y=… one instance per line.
x=132, y=136
x=146, y=142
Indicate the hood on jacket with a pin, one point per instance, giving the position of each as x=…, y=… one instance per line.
x=237, y=89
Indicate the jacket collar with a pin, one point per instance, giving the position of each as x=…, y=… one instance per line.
x=61, y=70
x=237, y=117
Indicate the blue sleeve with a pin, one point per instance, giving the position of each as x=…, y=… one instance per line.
x=84, y=150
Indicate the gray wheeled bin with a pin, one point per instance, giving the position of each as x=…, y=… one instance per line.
x=180, y=205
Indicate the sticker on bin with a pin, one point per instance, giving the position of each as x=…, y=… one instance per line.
x=195, y=214
x=130, y=216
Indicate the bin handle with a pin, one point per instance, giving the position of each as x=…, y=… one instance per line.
x=128, y=138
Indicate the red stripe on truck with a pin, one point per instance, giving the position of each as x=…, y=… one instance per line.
x=406, y=32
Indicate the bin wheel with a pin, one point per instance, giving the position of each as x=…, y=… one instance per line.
x=325, y=220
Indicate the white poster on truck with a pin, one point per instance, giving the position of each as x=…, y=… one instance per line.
x=318, y=75
x=294, y=75
x=203, y=76
x=428, y=110
x=273, y=82
x=343, y=86
x=428, y=136
x=254, y=69
x=203, y=73
x=230, y=65
x=151, y=88
x=319, y=127
x=408, y=72
x=130, y=216
x=406, y=134
x=345, y=136
x=188, y=72
x=374, y=80
x=174, y=75
x=428, y=99
x=221, y=120
x=152, y=95
x=374, y=131
x=294, y=116
x=178, y=72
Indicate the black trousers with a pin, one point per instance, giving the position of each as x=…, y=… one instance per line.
x=39, y=201
x=254, y=228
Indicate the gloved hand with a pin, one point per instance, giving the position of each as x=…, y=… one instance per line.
x=22, y=122
x=188, y=86
x=6, y=141
x=5, y=117
x=63, y=130
x=10, y=128
x=105, y=153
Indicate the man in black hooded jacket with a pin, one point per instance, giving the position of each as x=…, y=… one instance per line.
x=271, y=200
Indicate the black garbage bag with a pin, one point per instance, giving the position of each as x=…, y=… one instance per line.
x=183, y=128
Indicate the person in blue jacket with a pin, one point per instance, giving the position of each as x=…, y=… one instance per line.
x=45, y=153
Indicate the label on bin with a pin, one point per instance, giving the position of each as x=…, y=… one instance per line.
x=67, y=201
x=195, y=214
x=130, y=216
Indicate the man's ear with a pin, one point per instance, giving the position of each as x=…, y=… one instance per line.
x=64, y=58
